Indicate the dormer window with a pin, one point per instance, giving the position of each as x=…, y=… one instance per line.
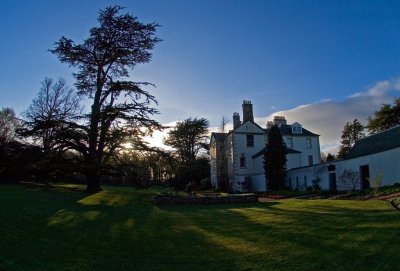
x=296, y=128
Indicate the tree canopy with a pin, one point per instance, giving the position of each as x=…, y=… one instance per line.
x=275, y=159
x=352, y=131
x=119, y=108
x=386, y=117
x=8, y=124
x=55, y=105
x=188, y=138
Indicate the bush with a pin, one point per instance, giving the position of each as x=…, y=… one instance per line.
x=205, y=184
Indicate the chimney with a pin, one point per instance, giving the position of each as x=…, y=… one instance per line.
x=236, y=120
x=269, y=124
x=247, y=111
x=279, y=120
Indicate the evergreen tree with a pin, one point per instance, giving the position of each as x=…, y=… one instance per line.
x=352, y=131
x=386, y=117
x=120, y=108
x=275, y=159
x=330, y=157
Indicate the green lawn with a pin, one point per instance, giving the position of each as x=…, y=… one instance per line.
x=120, y=229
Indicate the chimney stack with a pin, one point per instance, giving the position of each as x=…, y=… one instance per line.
x=247, y=111
x=279, y=120
x=269, y=124
x=236, y=120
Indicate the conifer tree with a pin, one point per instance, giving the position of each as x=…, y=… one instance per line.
x=352, y=132
x=275, y=159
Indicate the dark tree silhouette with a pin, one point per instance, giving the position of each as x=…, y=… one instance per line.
x=188, y=138
x=275, y=159
x=352, y=131
x=55, y=105
x=8, y=125
x=330, y=157
x=386, y=117
x=120, y=108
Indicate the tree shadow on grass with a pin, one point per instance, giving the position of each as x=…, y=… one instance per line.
x=320, y=235
x=125, y=231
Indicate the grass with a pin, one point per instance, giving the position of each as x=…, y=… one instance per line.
x=120, y=229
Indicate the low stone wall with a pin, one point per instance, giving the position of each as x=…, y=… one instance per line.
x=206, y=200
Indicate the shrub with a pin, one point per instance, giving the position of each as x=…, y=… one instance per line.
x=205, y=184
x=315, y=184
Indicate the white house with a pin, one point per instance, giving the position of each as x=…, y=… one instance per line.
x=371, y=157
x=237, y=156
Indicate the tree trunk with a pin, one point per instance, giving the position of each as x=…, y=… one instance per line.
x=93, y=180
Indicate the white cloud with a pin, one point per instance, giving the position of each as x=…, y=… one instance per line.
x=380, y=88
x=327, y=118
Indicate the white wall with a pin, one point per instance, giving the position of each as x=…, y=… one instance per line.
x=386, y=163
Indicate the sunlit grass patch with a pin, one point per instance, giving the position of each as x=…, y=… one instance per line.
x=120, y=229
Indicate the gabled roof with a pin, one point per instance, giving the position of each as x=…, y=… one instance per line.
x=286, y=129
x=386, y=140
x=218, y=136
x=242, y=124
x=288, y=150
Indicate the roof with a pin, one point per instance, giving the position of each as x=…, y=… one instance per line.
x=386, y=140
x=286, y=129
x=219, y=136
x=288, y=150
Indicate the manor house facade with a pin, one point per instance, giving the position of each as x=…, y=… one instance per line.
x=237, y=156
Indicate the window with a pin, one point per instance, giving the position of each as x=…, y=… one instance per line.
x=250, y=140
x=305, y=181
x=310, y=160
x=296, y=129
x=242, y=161
x=289, y=142
x=308, y=143
x=297, y=182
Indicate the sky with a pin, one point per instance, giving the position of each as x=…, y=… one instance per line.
x=320, y=63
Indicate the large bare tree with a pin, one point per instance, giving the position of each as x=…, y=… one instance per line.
x=55, y=105
x=119, y=108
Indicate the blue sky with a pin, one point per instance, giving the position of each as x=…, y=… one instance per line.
x=328, y=57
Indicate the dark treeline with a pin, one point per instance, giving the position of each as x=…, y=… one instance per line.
x=56, y=139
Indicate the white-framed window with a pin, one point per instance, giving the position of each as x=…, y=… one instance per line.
x=296, y=129
x=308, y=143
x=289, y=142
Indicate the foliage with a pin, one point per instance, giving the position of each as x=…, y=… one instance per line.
x=330, y=157
x=120, y=228
x=376, y=182
x=386, y=117
x=193, y=172
x=352, y=132
x=55, y=105
x=205, y=184
x=188, y=138
x=8, y=125
x=120, y=109
x=349, y=179
x=315, y=184
x=275, y=159
x=396, y=202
